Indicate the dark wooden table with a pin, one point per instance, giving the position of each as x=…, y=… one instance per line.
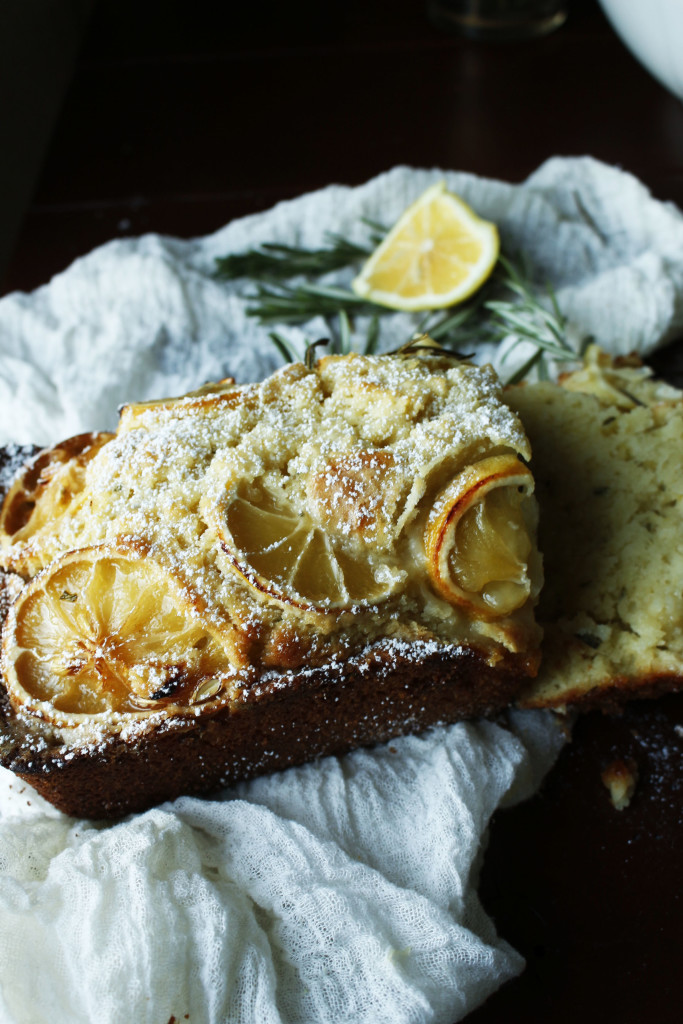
x=183, y=116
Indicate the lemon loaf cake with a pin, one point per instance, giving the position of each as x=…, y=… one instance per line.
x=608, y=464
x=250, y=576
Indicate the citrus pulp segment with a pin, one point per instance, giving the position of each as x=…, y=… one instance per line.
x=438, y=253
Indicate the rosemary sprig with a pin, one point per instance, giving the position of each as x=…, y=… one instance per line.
x=526, y=319
x=341, y=345
x=280, y=262
x=507, y=307
x=295, y=304
x=467, y=322
x=277, y=261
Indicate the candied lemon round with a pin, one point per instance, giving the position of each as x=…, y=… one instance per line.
x=219, y=396
x=321, y=543
x=438, y=253
x=41, y=494
x=107, y=630
x=477, y=538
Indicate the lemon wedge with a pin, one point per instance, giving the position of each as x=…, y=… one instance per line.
x=437, y=254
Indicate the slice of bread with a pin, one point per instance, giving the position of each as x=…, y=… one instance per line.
x=250, y=577
x=608, y=462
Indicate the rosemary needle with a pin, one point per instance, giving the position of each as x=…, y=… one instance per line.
x=284, y=347
x=344, y=332
x=372, y=337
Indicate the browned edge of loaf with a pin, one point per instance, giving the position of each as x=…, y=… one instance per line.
x=295, y=718
x=610, y=695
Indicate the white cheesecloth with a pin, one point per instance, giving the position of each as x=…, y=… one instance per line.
x=345, y=890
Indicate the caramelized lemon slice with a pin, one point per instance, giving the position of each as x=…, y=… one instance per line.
x=477, y=538
x=324, y=546
x=45, y=489
x=107, y=630
x=437, y=254
x=219, y=395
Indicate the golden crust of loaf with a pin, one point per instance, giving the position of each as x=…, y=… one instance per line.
x=272, y=571
x=608, y=463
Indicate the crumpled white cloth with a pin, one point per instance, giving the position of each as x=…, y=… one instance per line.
x=344, y=890
x=144, y=317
